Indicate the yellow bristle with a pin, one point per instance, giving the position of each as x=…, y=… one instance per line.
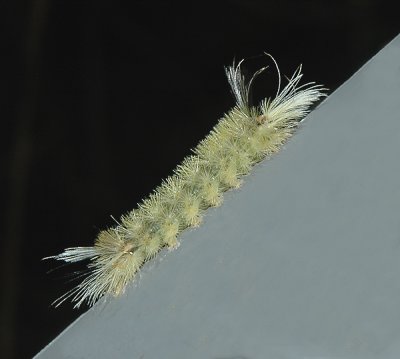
x=149, y=245
x=190, y=205
x=210, y=191
x=168, y=232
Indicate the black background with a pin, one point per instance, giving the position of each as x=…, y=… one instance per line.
x=100, y=100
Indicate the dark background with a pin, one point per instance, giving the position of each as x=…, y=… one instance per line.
x=100, y=100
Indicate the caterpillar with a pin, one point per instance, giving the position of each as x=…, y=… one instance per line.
x=241, y=138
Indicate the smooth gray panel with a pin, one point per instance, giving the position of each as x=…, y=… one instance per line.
x=302, y=262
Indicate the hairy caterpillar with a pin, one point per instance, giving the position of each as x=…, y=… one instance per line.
x=244, y=136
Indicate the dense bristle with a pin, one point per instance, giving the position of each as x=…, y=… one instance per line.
x=244, y=136
x=190, y=206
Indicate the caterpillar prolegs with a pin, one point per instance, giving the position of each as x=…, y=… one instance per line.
x=244, y=136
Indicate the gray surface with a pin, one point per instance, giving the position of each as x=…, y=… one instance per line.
x=302, y=262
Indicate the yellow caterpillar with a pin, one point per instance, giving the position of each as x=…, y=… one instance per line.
x=244, y=136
